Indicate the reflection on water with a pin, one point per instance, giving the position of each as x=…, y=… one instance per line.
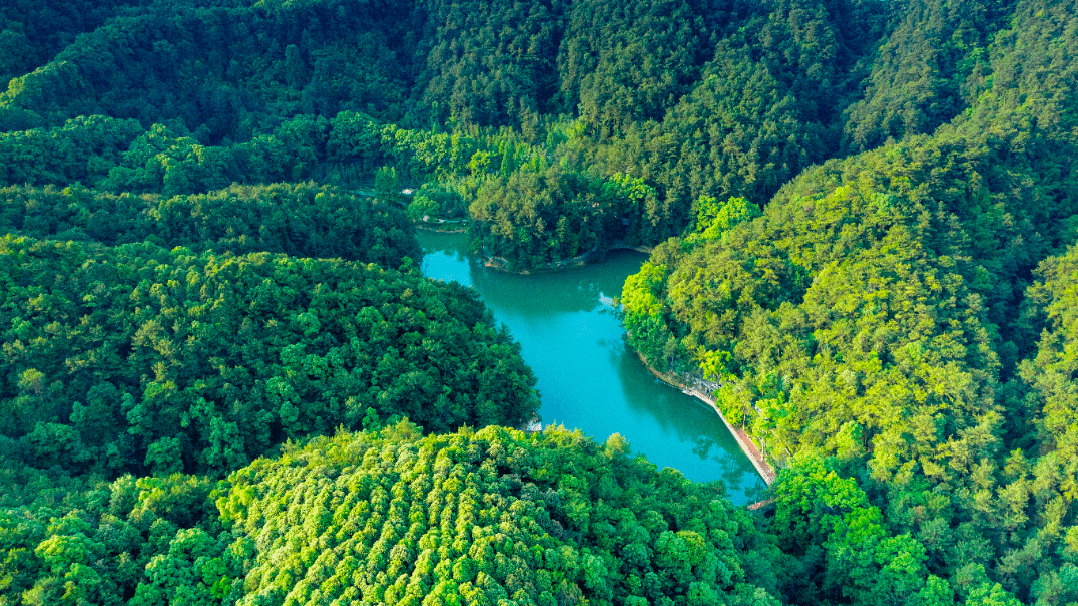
x=689, y=421
x=589, y=378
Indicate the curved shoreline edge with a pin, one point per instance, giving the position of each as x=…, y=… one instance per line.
x=593, y=255
x=744, y=440
x=435, y=230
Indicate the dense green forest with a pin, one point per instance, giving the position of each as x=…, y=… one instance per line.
x=298, y=220
x=134, y=353
x=472, y=517
x=225, y=381
x=901, y=310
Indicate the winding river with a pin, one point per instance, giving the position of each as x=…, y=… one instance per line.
x=588, y=376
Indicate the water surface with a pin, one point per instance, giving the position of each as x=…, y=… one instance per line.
x=589, y=378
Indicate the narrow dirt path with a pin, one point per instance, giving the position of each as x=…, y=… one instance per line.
x=743, y=440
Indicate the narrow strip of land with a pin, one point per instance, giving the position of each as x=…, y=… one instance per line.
x=744, y=440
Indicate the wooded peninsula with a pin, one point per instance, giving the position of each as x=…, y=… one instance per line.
x=225, y=380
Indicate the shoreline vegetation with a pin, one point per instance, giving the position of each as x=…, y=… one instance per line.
x=502, y=264
x=744, y=440
x=438, y=229
x=596, y=255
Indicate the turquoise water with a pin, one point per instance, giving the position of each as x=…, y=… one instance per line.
x=588, y=376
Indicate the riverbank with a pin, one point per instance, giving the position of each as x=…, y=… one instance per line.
x=502, y=264
x=744, y=440
x=440, y=230
x=592, y=256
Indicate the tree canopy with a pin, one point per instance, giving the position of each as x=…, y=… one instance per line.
x=139, y=359
x=899, y=313
x=863, y=225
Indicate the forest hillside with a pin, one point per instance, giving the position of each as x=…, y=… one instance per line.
x=224, y=380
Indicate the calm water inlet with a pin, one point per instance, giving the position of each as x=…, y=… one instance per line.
x=588, y=376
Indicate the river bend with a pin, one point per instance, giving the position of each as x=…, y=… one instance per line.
x=588, y=376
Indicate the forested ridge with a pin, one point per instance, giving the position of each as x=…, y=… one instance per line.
x=225, y=381
x=301, y=220
x=899, y=312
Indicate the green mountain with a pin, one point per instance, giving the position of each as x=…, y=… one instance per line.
x=863, y=218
